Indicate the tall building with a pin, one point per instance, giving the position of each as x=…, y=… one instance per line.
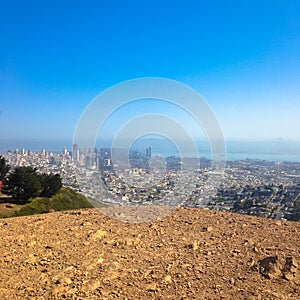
x=75, y=153
x=105, y=158
x=148, y=151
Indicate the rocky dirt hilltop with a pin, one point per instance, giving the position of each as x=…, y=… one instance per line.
x=191, y=254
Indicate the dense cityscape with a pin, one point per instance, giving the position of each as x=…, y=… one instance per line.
x=255, y=187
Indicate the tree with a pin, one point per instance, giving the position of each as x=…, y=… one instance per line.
x=51, y=184
x=22, y=184
x=4, y=168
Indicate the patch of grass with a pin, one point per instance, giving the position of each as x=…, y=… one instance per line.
x=7, y=207
x=65, y=199
x=7, y=214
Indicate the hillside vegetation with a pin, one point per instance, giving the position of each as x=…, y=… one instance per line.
x=65, y=199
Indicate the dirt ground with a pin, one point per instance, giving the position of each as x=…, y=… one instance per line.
x=190, y=254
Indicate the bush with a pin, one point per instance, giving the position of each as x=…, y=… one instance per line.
x=65, y=199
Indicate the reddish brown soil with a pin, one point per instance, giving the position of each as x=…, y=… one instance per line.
x=191, y=254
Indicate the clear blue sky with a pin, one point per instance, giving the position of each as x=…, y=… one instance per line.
x=242, y=56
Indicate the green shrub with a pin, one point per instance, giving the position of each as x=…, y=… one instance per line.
x=65, y=199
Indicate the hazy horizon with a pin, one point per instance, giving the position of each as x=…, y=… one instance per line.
x=160, y=146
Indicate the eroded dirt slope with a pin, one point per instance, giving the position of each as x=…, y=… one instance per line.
x=191, y=254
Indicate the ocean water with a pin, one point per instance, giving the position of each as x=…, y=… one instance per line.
x=273, y=150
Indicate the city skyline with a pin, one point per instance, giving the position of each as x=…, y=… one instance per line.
x=256, y=187
x=272, y=151
x=56, y=57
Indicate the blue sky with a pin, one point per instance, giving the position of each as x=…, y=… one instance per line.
x=243, y=57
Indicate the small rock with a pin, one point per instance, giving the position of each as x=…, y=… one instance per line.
x=151, y=287
x=31, y=244
x=100, y=260
x=209, y=228
x=269, y=267
x=112, y=276
x=93, y=286
x=153, y=226
x=236, y=251
x=290, y=268
x=57, y=290
x=195, y=245
x=86, y=224
x=99, y=234
x=68, y=280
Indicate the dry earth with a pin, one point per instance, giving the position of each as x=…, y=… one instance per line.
x=191, y=254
